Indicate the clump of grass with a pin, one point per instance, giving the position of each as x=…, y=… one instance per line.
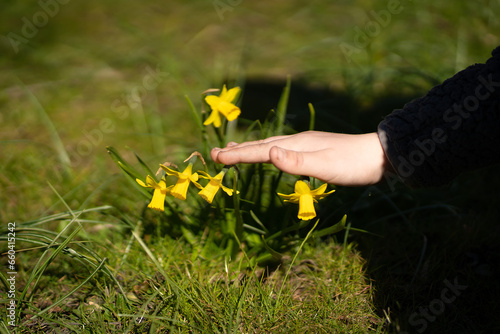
x=155, y=287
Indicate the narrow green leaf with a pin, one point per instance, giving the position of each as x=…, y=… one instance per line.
x=72, y=291
x=282, y=107
x=295, y=257
x=295, y=227
x=63, y=216
x=276, y=255
x=257, y=220
x=54, y=135
x=195, y=114
x=249, y=130
x=160, y=268
x=313, y=116
x=254, y=229
x=143, y=164
x=332, y=229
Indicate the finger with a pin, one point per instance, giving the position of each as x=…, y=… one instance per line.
x=304, y=141
x=213, y=154
x=247, y=152
x=257, y=153
x=255, y=142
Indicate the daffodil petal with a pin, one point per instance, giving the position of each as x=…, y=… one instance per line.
x=324, y=194
x=214, y=118
x=204, y=174
x=163, y=186
x=197, y=185
x=213, y=101
x=230, y=95
x=152, y=182
x=227, y=190
x=302, y=188
x=293, y=198
x=320, y=190
x=141, y=183
x=224, y=91
x=170, y=171
x=187, y=172
x=194, y=177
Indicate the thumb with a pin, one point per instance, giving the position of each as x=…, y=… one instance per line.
x=300, y=163
x=288, y=161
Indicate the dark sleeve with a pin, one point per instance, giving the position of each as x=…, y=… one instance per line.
x=453, y=129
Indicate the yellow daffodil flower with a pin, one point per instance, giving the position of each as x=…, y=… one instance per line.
x=184, y=179
x=213, y=186
x=306, y=198
x=161, y=190
x=223, y=104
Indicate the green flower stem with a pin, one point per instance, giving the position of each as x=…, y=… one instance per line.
x=313, y=116
x=238, y=231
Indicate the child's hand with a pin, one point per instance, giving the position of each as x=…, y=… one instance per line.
x=341, y=159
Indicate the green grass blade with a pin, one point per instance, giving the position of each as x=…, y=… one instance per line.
x=165, y=319
x=40, y=270
x=63, y=156
x=64, y=216
x=143, y=164
x=123, y=164
x=295, y=257
x=250, y=129
x=4, y=329
x=254, y=229
x=258, y=221
x=160, y=268
x=73, y=290
x=195, y=114
x=295, y=227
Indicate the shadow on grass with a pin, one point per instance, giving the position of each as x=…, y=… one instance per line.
x=434, y=254
x=336, y=111
x=435, y=261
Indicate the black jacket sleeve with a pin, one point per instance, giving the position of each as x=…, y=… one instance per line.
x=453, y=129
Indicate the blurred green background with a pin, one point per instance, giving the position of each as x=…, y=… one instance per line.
x=77, y=76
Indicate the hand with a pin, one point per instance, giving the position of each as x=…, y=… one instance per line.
x=341, y=159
